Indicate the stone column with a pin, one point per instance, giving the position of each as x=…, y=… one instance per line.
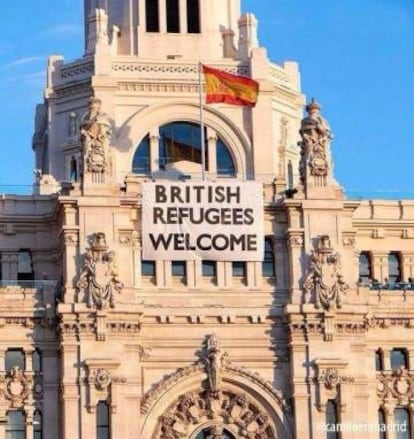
x=380, y=266
x=71, y=417
x=136, y=262
x=212, y=152
x=183, y=16
x=9, y=265
x=154, y=158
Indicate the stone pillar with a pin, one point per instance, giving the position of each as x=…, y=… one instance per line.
x=163, y=17
x=71, y=418
x=136, y=261
x=183, y=16
x=9, y=265
x=211, y=152
x=301, y=395
x=154, y=139
x=380, y=266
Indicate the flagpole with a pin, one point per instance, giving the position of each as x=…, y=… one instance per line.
x=202, y=135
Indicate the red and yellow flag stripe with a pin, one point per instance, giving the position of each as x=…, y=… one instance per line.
x=231, y=89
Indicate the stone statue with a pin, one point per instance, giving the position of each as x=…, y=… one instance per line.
x=215, y=361
x=99, y=278
x=95, y=129
x=315, y=145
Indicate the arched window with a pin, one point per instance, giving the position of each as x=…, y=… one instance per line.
x=103, y=428
x=402, y=421
x=181, y=142
x=331, y=419
x=141, y=161
x=206, y=434
x=37, y=425
x=16, y=425
x=399, y=358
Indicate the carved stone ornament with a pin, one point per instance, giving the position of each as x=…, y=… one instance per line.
x=236, y=412
x=95, y=130
x=16, y=387
x=102, y=379
x=315, y=145
x=324, y=281
x=396, y=386
x=99, y=277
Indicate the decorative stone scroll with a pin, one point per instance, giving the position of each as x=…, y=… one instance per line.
x=315, y=145
x=324, y=283
x=95, y=130
x=16, y=388
x=99, y=277
x=395, y=386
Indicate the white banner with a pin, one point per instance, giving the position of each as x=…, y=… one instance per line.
x=202, y=220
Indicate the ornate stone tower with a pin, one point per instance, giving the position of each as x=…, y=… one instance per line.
x=141, y=62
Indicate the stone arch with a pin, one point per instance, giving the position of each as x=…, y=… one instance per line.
x=180, y=406
x=143, y=121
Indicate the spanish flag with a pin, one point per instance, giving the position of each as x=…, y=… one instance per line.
x=231, y=89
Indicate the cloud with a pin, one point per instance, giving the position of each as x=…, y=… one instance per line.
x=23, y=61
x=63, y=29
x=28, y=77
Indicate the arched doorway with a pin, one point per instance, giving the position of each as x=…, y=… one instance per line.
x=214, y=432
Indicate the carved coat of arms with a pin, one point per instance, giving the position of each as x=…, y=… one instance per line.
x=99, y=277
x=324, y=279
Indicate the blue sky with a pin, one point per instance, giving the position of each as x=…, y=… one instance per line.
x=356, y=57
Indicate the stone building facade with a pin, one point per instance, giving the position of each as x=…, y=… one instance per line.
x=98, y=342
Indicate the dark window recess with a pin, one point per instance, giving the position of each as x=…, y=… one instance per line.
x=394, y=268
x=37, y=361
x=239, y=269
x=141, y=160
x=173, y=16
x=148, y=268
x=103, y=428
x=193, y=16
x=378, y=360
x=268, y=264
x=178, y=268
x=24, y=266
x=37, y=425
x=402, y=421
x=209, y=268
x=331, y=419
x=365, y=275
x=381, y=423
x=16, y=425
x=14, y=358
x=399, y=358
x=152, y=16
x=290, y=175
